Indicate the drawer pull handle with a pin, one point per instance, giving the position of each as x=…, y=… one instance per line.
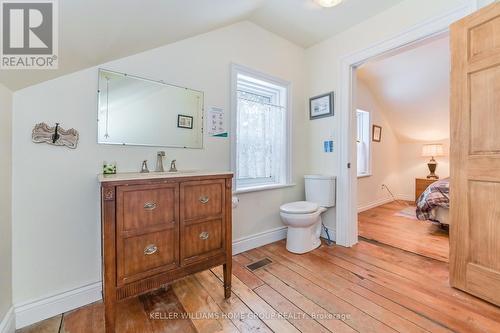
x=204, y=235
x=149, y=206
x=204, y=199
x=150, y=249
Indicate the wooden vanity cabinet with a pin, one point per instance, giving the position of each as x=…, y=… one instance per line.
x=158, y=230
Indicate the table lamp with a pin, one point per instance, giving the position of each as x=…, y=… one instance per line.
x=432, y=150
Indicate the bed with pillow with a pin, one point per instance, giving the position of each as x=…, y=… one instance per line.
x=434, y=203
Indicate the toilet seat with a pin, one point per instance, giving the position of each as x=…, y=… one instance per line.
x=299, y=207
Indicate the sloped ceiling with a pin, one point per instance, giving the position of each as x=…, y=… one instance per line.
x=413, y=88
x=96, y=31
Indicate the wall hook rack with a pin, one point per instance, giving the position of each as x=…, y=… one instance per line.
x=55, y=135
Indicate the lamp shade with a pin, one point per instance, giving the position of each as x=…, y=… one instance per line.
x=432, y=150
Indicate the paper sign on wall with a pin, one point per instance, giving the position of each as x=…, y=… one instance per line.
x=216, y=123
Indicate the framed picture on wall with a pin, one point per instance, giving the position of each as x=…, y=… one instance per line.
x=321, y=106
x=184, y=121
x=376, y=133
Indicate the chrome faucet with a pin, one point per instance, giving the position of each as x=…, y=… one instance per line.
x=173, y=168
x=159, y=161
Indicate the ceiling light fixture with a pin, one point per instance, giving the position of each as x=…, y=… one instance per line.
x=328, y=3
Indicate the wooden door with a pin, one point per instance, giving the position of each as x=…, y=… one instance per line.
x=475, y=154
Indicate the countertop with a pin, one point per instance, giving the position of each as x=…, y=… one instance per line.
x=158, y=175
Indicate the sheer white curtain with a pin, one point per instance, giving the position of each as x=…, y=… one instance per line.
x=259, y=138
x=363, y=142
x=362, y=158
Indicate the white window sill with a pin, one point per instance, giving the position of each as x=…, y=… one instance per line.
x=364, y=176
x=262, y=188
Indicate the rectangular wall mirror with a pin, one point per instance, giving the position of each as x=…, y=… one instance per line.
x=142, y=112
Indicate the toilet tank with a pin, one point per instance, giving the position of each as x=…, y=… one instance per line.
x=320, y=189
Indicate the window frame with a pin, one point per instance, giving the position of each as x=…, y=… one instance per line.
x=286, y=172
x=369, y=140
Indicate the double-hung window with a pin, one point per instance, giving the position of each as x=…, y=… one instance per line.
x=260, y=130
x=363, y=143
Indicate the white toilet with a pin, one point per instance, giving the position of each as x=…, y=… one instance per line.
x=303, y=218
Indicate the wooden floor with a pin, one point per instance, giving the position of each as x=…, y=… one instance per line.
x=422, y=237
x=367, y=288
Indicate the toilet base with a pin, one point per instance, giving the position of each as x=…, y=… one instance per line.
x=302, y=240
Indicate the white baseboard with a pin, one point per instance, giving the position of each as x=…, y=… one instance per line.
x=8, y=322
x=374, y=204
x=260, y=239
x=34, y=311
x=405, y=197
x=380, y=202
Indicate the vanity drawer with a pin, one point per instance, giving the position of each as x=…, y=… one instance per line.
x=202, y=199
x=148, y=254
x=143, y=206
x=200, y=239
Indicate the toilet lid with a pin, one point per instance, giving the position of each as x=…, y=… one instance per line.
x=299, y=207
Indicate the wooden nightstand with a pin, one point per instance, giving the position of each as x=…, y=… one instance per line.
x=421, y=185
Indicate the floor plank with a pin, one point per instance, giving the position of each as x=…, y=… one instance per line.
x=312, y=267
x=87, y=319
x=354, y=317
x=322, y=316
x=381, y=224
x=442, y=299
x=269, y=316
x=207, y=316
x=241, y=316
x=370, y=287
x=285, y=308
x=165, y=312
x=50, y=325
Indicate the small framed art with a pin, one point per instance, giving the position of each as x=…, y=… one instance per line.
x=376, y=133
x=184, y=121
x=321, y=106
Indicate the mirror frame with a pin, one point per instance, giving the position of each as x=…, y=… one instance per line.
x=100, y=70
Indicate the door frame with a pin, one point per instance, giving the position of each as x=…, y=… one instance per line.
x=346, y=212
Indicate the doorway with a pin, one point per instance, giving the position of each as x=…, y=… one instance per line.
x=403, y=113
x=346, y=212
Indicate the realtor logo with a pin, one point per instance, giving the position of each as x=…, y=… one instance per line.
x=29, y=34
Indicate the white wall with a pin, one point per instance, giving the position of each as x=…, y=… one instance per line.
x=5, y=201
x=384, y=154
x=323, y=59
x=413, y=85
x=56, y=195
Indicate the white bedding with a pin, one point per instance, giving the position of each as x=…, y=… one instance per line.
x=441, y=214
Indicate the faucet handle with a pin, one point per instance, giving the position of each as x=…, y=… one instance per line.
x=173, y=167
x=144, y=168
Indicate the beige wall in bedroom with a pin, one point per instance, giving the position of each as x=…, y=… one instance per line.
x=412, y=165
x=410, y=90
x=62, y=223
x=395, y=163
x=5, y=201
x=384, y=154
